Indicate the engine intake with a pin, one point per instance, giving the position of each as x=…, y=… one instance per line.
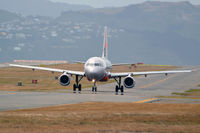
x=64, y=80
x=129, y=82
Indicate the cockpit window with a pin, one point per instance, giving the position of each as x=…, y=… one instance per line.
x=94, y=64
x=97, y=64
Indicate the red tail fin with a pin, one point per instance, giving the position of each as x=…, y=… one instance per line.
x=105, y=44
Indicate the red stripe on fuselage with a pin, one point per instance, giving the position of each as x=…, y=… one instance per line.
x=106, y=78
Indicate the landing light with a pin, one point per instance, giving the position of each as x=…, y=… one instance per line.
x=93, y=80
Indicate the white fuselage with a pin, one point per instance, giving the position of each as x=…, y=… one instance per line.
x=97, y=69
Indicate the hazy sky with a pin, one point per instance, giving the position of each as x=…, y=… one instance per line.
x=110, y=3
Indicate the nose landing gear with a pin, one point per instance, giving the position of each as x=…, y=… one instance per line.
x=94, y=88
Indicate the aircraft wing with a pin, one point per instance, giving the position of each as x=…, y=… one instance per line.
x=121, y=64
x=79, y=62
x=79, y=73
x=113, y=75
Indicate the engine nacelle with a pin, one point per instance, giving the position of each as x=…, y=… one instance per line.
x=129, y=82
x=64, y=80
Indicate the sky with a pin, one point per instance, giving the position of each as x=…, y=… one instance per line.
x=115, y=3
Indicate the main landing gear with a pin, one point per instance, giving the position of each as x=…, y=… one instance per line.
x=77, y=85
x=119, y=86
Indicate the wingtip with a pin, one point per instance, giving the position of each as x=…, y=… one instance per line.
x=194, y=70
x=188, y=71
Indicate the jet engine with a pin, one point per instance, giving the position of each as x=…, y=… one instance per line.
x=64, y=80
x=129, y=82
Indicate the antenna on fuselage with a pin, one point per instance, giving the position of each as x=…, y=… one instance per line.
x=105, y=44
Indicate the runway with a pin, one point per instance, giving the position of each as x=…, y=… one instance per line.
x=146, y=88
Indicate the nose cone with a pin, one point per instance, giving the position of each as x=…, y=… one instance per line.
x=94, y=73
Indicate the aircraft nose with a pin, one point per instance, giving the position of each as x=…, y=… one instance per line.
x=94, y=73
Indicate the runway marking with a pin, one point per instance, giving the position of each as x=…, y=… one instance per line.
x=148, y=100
x=156, y=82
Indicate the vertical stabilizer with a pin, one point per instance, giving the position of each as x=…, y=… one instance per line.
x=105, y=44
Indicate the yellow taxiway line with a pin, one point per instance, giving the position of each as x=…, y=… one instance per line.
x=148, y=100
x=156, y=82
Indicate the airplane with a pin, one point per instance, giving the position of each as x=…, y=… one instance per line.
x=98, y=69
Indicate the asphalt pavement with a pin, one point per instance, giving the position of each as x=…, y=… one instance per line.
x=146, y=88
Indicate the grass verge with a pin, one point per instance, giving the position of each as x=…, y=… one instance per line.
x=191, y=92
x=188, y=94
x=178, y=97
x=101, y=117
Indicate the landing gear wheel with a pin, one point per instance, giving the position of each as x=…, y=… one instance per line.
x=94, y=89
x=74, y=88
x=122, y=90
x=79, y=88
x=116, y=90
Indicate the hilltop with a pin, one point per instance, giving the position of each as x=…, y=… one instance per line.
x=151, y=32
x=39, y=7
x=7, y=16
